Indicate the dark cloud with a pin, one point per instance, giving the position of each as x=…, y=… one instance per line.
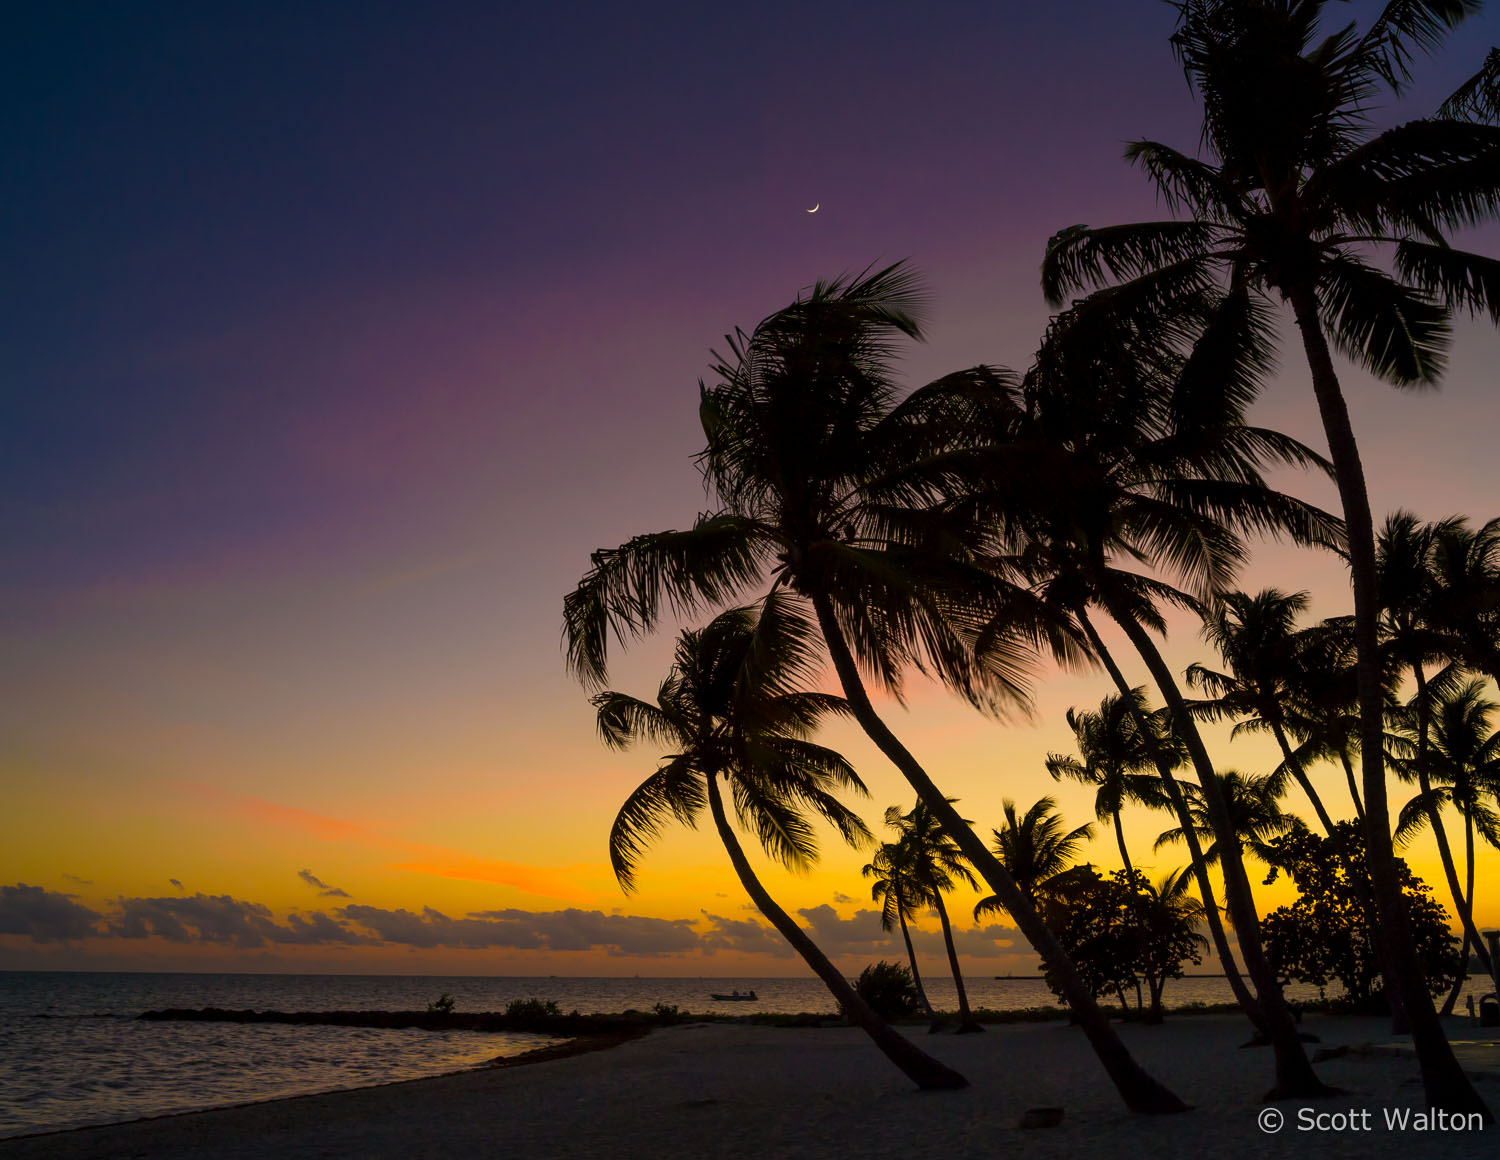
x=327, y=891
x=737, y=934
x=557, y=930
x=80, y=881
x=175, y=883
x=45, y=915
x=223, y=920
x=842, y=899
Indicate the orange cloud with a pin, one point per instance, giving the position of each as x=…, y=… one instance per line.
x=555, y=882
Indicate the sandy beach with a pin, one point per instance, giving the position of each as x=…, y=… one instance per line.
x=740, y=1091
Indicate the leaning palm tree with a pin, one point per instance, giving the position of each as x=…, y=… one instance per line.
x=901, y=895
x=940, y=866
x=1255, y=636
x=1114, y=757
x=1296, y=189
x=732, y=710
x=804, y=432
x=1124, y=448
x=1462, y=769
x=1035, y=849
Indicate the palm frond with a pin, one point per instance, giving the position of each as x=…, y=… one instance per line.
x=675, y=791
x=1397, y=332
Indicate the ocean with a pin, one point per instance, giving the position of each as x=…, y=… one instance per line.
x=72, y=1052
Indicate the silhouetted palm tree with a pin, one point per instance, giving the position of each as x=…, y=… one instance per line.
x=1296, y=188
x=900, y=893
x=1321, y=700
x=1258, y=816
x=804, y=432
x=1114, y=757
x=1414, y=636
x=1035, y=849
x=1123, y=447
x=940, y=866
x=1256, y=637
x=1462, y=770
x=732, y=710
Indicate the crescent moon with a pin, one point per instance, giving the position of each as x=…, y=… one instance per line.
x=815, y=208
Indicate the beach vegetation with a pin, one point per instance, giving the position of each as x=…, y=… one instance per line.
x=889, y=988
x=531, y=1008
x=1329, y=933
x=442, y=1005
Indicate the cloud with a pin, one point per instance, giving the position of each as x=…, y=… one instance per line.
x=557, y=930
x=747, y=935
x=326, y=890
x=45, y=915
x=222, y=920
x=175, y=883
x=80, y=881
x=842, y=899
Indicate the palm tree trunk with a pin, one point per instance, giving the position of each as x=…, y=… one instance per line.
x=1140, y=1091
x=1294, y=1073
x=1359, y=806
x=911, y=957
x=1435, y=817
x=927, y=1073
x=1463, y=957
x=1190, y=834
x=1443, y=1080
x=966, y=1021
x=1301, y=777
x=1120, y=841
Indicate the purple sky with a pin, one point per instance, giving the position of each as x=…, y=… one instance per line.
x=336, y=335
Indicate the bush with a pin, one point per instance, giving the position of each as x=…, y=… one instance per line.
x=531, y=1008
x=442, y=1005
x=1329, y=934
x=888, y=989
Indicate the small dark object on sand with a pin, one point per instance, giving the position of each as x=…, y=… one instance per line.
x=1041, y=1118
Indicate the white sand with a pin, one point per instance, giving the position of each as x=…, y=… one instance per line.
x=710, y=1091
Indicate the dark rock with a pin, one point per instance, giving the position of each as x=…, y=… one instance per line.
x=1041, y=1118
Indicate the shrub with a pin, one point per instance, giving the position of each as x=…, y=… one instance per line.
x=888, y=989
x=442, y=1005
x=531, y=1008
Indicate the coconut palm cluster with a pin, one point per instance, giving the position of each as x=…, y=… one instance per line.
x=984, y=528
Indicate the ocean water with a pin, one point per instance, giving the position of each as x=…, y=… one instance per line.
x=72, y=1052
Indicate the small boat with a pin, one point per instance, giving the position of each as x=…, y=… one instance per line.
x=734, y=997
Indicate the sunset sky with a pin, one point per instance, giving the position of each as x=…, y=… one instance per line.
x=336, y=336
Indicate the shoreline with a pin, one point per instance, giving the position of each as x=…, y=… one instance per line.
x=577, y=1045
x=741, y=1090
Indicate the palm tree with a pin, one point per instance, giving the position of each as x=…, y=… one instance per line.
x=1414, y=635
x=897, y=888
x=1114, y=758
x=1255, y=636
x=940, y=866
x=1258, y=817
x=804, y=429
x=731, y=709
x=1462, y=769
x=1035, y=849
x=1170, y=915
x=1321, y=700
x=1122, y=446
x=1295, y=189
